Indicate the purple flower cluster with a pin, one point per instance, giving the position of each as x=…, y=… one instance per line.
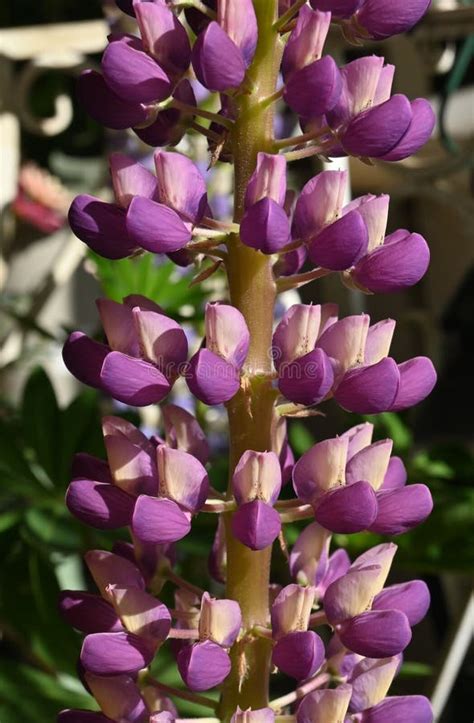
x=335, y=629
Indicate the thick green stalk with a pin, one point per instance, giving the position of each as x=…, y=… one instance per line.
x=253, y=291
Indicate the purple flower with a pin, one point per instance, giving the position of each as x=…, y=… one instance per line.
x=219, y=621
x=139, y=365
x=383, y=18
x=213, y=372
x=398, y=709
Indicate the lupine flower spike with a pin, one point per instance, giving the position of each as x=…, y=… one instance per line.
x=333, y=628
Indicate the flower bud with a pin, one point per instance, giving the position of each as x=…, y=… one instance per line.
x=291, y=610
x=257, y=476
x=220, y=621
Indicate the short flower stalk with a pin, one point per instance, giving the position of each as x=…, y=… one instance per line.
x=337, y=630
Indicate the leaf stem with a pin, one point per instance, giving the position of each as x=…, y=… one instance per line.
x=181, y=582
x=182, y=694
x=196, y=110
x=286, y=17
x=285, y=283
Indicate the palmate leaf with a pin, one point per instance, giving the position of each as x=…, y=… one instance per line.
x=40, y=418
x=163, y=283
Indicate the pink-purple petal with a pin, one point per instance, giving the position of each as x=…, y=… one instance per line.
x=99, y=504
x=133, y=75
x=340, y=244
x=369, y=390
x=256, y=524
x=102, y=226
x=159, y=520
x=347, y=509
x=155, y=227
x=376, y=634
x=308, y=379
x=212, y=45
x=399, y=510
x=212, y=379
x=115, y=653
x=299, y=654
x=132, y=381
x=417, y=381
x=204, y=665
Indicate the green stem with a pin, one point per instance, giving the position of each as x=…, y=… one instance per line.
x=253, y=291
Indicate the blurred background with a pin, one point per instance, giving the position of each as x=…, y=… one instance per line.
x=50, y=151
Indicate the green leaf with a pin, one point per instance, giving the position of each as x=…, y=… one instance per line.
x=163, y=283
x=54, y=530
x=80, y=431
x=40, y=415
x=29, y=694
x=301, y=438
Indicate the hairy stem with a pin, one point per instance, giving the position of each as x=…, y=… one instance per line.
x=253, y=291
